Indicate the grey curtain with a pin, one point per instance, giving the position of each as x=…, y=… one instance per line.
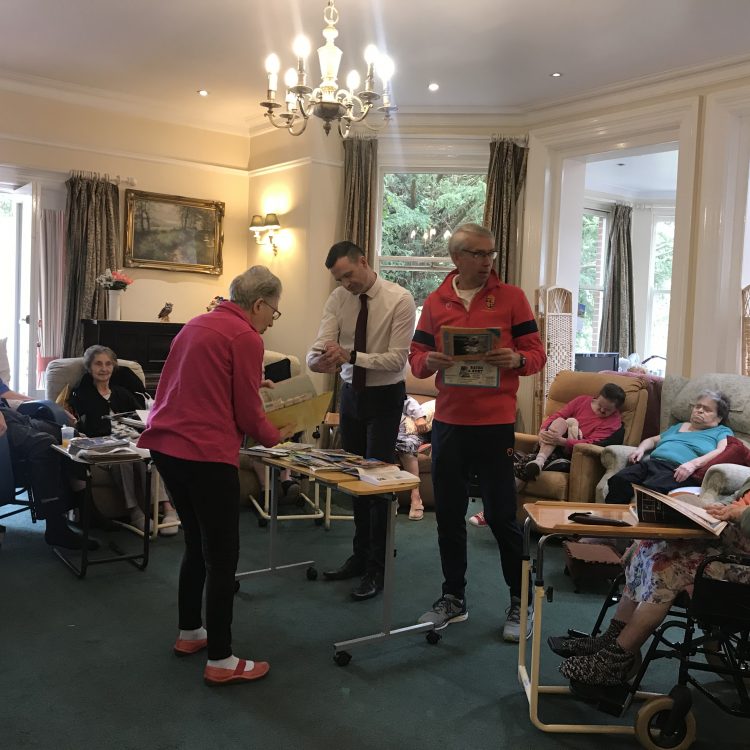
x=505, y=179
x=618, y=318
x=92, y=237
x=52, y=284
x=360, y=172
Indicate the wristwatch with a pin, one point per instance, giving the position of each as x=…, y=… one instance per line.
x=353, y=357
x=522, y=363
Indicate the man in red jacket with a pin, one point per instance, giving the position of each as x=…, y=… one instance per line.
x=473, y=429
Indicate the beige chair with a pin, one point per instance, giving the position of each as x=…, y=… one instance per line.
x=67, y=372
x=586, y=466
x=677, y=394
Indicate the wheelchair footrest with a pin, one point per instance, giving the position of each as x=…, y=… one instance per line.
x=611, y=699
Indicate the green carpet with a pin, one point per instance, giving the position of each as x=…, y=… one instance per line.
x=88, y=664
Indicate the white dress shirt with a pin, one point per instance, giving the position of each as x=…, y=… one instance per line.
x=391, y=319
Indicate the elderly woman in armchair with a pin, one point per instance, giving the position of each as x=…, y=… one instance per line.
x=94, y=400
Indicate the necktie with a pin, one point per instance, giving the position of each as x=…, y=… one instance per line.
x=360, y=343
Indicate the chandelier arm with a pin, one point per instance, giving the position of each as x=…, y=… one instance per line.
x=283, y=121
x=291, y=130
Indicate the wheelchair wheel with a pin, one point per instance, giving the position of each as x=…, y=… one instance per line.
x=652, y=718
x=715, y=658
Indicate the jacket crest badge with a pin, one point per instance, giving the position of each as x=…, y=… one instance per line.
x=489, y=301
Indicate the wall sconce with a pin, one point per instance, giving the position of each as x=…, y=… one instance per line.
x=265, y=229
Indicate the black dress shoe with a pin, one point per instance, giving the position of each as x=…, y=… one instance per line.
x=350, y=569
x=368, y=587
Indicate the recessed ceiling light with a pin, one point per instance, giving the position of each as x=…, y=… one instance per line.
x=433, y=87
x=620, y=163
x=555, y=75
x=202, y=92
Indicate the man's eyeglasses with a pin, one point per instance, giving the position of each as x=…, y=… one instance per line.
x=276, y=314
x=480, y=255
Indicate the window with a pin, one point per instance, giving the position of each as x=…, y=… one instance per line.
x=419, y=213
x=594, y=230
x=660, y=283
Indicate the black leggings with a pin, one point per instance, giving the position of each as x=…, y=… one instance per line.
x=206, y=496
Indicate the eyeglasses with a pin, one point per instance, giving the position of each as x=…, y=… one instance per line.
x=479, y=255
x=276, y=314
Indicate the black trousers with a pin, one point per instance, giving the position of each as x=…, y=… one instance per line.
x=369, y=421
x=486, y=450
x=37, y=465
x=652, y=473
x=206, y=496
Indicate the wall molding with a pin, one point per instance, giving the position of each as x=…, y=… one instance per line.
x=134, y=155
x=305, y=161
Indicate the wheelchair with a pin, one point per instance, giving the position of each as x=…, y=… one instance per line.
x=708, y=634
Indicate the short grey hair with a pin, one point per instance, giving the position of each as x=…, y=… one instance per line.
x=90, y=355
x=457, y=241
x=254, y=284
x=721, y=401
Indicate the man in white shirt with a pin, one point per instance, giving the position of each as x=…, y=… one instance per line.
x=367, y=327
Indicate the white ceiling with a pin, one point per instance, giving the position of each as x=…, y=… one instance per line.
x=487, y=55
x=650, y=176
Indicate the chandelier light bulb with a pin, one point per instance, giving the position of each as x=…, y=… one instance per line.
x=273, y=64
x=385, y=68
x=290, y=77
x=371, y=54
x=353, y=80
x=301, y=47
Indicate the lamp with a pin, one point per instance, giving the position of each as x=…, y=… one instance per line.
x=327, y=101
x=265, y=229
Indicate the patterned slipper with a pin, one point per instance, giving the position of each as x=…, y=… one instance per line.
x=185, y=647
x=219, y=676
x=416, y=514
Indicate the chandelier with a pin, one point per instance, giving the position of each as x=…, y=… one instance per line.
x=328, y=101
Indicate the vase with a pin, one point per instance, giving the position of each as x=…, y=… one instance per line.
x=114, y=299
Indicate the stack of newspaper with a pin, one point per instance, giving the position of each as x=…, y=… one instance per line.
x=107, y=448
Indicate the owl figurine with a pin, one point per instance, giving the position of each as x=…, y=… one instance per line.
x=164, y=312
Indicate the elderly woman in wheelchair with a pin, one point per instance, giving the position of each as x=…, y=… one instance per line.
x=655, y=573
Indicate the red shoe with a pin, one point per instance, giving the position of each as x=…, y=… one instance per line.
x=184, y=647
x=478, y=519
x=219, y=676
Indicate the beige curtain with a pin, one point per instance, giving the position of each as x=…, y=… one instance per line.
x=618, y=319
x=505, y=179
x=360, y=172
x=92, y=237
x=52, y=289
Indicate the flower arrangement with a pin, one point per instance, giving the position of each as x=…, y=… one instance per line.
x=113, y=280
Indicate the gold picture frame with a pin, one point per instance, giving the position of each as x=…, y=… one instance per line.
x=173, y=233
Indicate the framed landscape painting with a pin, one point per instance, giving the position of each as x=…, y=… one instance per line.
x=173, y=233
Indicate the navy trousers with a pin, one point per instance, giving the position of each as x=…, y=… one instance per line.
x=369, y=427
x=487, y=451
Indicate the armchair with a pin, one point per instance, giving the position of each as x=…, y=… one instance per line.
x=721, y=480
x=586, y=466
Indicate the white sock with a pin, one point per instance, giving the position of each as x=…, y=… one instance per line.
x=540, y=460
x=193, y=635
x=230, y=662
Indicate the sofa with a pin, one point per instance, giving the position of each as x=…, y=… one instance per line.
x=586, y=466
x=677, y=394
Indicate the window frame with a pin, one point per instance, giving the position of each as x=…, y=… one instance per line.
x=658, y=213
x=605, y=213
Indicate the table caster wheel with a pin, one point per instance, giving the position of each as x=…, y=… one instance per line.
x=262, y=522
x=433, y=637
x=236, y=586
x=312, y=574
x=342, y=658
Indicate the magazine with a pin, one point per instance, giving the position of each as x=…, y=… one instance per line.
x=95, y=444
x=654, y=507
x=386, y=475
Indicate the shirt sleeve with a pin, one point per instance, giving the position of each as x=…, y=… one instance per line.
x=328, y=330
x=526, y=339
x=422, y=343
x=413, y=409
x=247, y=358
x=568, y=410
x=402, y=330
